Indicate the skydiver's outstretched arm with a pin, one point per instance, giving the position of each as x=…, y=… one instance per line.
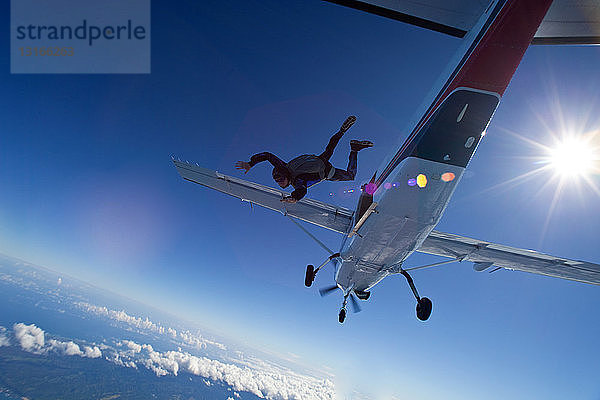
x=260, y=157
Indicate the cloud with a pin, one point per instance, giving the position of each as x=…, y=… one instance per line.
x=67, y=348
x=133, y=346
x=91, y=352
x=198, y=341
x=115, y=357
x=4, y=340
x=32, y=339
x=122, y=316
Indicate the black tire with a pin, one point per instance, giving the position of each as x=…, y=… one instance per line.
x=342, y=316
x=362, y=295
x=310, y=275
x=424, y=307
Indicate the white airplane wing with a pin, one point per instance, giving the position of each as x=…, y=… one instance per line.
x=567, y=21
x=328, y=216
x=486, y=255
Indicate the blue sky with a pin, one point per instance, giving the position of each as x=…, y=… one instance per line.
x=88, y=189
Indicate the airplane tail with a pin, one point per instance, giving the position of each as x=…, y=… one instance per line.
x=451, y=128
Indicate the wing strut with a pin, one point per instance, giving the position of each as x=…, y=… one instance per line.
x=327, y=249
x=397, y=269
x=311, y=272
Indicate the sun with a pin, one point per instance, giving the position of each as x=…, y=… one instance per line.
x=572, y=158
x=570, y=161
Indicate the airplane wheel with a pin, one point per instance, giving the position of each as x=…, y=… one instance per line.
x=362, y=295
x=424, y=307
x=342, y=315
x=310, y=275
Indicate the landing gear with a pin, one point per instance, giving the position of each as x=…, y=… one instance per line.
x=310, y=275
x=311, y=272
x=424, y=305
x=342, y=316
x=353, y=302
x=362, y=294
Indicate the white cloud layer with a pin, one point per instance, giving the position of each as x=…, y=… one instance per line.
x=122, y=316
x=32, y=339
x=145, y=324
x=268, y=381
x=258, y=377
x=261, y=378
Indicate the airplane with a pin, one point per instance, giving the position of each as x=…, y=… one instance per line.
x=388, y=226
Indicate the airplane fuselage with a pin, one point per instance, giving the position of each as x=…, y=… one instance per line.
x=405, y=215
x=414, y=186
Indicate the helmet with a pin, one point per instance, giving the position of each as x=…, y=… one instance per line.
x=280, y=175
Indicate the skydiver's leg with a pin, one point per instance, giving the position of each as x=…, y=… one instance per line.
x=350, y=173
x=326, y=155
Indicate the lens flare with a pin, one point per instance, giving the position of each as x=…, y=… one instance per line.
x=448, y=177
x=370, y=188
x=421, y=180
x=412, y=182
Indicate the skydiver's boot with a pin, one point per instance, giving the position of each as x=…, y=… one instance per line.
x=358, y=145
x=347, y=124
x=326, y=155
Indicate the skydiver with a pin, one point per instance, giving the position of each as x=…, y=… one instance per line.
x=309, y=169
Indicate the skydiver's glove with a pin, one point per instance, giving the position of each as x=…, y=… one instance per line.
x=243, y=165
